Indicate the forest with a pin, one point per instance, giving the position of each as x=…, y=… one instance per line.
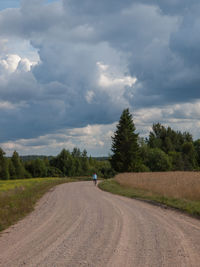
x=65, y=164
x=169, y=150
x=163, y=150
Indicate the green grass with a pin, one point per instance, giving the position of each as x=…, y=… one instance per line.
x=18, y=197
x=188, y=206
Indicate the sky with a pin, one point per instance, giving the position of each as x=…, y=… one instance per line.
x=68, y=68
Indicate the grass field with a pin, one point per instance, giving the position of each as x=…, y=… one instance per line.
x=184, y=185
x=22, y=183
x=179, y=190
x=18, y=197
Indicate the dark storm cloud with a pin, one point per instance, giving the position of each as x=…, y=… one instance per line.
x=155, y=41
x=171, y=6
x=162, y=39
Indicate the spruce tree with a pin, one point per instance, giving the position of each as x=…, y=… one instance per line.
x=19, y=171
x=125, y=146
x=4, y=172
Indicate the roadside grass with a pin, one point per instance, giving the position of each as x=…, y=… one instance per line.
x=189, y=206
x=18, y=197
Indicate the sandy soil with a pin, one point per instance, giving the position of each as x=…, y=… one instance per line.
x=78, y=225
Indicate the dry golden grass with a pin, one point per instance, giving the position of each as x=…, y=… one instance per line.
x=183, y=185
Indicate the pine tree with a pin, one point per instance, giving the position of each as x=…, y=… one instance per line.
x=125, y=146
x=11, y=169
x=84, y=162
x=4, y=172
x=19, y=171
x=39, y=168
x=64, y=162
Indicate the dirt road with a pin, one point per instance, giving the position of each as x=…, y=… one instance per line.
x=78, y=225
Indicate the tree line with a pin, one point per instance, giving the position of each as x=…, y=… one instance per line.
x=163, y=150
x=66, y=163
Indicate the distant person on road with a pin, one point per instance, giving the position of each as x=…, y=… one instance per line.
x=94, y=177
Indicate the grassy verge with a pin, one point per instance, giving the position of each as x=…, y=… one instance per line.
x=18, y=197
x=188, y=206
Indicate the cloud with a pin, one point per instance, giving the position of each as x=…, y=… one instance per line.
x=11, y=63
x=6, y=105
x=107, y=80
x=181, y=117
x=72, y=63
x=96, y=138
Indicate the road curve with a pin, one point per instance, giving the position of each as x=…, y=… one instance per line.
x=78, y=225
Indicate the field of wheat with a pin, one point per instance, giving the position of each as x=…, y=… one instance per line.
x=182, y=185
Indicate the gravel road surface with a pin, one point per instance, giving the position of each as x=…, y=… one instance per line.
x=78, y=225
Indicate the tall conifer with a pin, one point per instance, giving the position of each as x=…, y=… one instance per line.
x=125, y=146
x=4, y=173
x=19, y=171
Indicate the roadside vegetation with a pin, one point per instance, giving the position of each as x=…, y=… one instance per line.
x=162, y=168
x=65, y=164
x=21, y=187
x=164, y=188
x=18, y=197
x=164, y=149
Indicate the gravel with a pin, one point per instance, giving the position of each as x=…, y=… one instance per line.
x=79, y=225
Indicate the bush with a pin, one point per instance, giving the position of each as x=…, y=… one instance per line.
x=108, y=173
x=158, y=160
x=142, y=168
x=176, y=161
